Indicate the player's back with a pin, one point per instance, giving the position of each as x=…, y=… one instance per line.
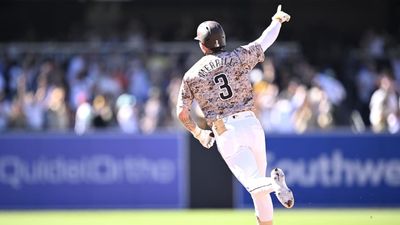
x=220, y=83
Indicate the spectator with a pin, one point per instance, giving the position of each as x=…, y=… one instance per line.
x=127, y=115
x=336, y=95
x=57, y=115
x=152, y=112
x=366, y=83
x=5, y=110
x=384, y=106
x=102, y=112
x=34, y=110
x=333, y=89
x=83, y=116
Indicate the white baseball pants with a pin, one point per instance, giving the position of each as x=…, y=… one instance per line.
x=243, y=148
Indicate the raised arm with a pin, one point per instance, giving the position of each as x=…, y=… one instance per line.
x=270, y=34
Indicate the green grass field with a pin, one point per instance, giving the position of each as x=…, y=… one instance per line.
x=201, y=217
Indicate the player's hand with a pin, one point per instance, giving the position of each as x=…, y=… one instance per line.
x=281, y=16
x=205, y=137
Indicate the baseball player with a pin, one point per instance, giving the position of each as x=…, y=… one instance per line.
x=220, y=84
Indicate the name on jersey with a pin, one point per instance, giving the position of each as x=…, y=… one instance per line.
x=215, y=64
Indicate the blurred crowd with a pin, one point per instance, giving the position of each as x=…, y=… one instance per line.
x=294, y=95
x=136, y=92
x=87, y=91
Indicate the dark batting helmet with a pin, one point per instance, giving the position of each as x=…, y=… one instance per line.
x=211, y=34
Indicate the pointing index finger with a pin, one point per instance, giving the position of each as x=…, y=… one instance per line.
x=279, y=8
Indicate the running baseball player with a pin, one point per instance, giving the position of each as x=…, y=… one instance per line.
x=220, y=84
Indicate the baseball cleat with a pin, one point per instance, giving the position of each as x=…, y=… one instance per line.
x=282, y=192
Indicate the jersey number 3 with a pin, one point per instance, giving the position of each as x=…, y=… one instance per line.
x=225, y=89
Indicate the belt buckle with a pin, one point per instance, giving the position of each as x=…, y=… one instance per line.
x=219, y=126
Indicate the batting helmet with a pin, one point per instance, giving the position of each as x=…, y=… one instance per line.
x=211, y=34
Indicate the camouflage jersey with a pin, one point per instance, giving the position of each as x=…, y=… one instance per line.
x=220, y=82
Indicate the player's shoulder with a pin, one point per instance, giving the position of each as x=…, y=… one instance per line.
x=247, y=53
x=250, y=47
x=194, y=70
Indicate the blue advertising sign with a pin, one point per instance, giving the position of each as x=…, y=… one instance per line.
x=94, y=171
x=335, y=170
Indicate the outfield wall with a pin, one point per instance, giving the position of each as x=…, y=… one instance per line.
x=174, y=171
x=336, y=170
x=93, y=171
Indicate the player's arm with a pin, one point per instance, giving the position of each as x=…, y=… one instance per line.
x=185, y=97
x=270, y=34
x=205, y=137
x=184, y=116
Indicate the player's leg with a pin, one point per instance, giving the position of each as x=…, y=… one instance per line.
x=262, y=200
x=243, y=165
x=263, y=223
x=234, y=149
x=263, y=207
x=240, y=158
x=282, y=192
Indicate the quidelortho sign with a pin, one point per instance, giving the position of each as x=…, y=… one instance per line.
x=336, y=169
x=101, y=171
